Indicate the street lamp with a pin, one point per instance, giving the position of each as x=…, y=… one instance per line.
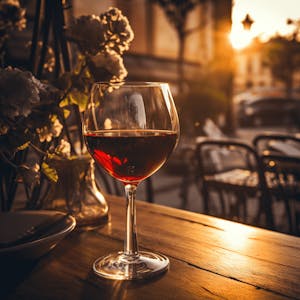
x=230, y=115
x=296, y=24
x=247, y=22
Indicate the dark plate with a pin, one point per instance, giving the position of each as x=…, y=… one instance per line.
x=14, y=224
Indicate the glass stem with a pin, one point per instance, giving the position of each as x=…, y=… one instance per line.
x=130, y=244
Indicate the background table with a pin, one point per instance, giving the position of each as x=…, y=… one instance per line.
x=210, y=258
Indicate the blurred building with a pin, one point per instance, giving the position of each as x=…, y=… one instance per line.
x=203, y=77
x=154, y=52
x=251, y=73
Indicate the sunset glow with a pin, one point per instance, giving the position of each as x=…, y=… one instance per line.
x=240, y=38
x=269, y=18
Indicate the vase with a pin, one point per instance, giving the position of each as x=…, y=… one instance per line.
x=76, y=191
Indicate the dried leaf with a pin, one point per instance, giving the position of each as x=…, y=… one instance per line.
x=49, y=172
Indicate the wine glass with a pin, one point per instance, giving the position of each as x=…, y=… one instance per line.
x=130, y=130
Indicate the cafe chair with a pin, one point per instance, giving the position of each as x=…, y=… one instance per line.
x=283, y=181
x=277, y=143
x=231, y=172
x=188, y=174
x=282, y=151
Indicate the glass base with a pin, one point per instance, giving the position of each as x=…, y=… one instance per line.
x=119, y=266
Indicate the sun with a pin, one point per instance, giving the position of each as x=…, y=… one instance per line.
x=240, y=38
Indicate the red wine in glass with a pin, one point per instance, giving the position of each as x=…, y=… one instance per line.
x=131, y=155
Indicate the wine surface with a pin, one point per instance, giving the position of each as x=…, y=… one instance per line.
x=131, y=155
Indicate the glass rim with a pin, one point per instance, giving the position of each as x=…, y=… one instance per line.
x=132, y=83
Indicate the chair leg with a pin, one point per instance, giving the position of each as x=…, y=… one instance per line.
x=260, y=210
x=238, y=202
x=205, y=194
x=297, y=223
x=289, y=214
x=184, y=190
x=266, y=201
x=198, y=183
x=241, y=206
x=222, y=203
x=244, y=207
x=149, y=190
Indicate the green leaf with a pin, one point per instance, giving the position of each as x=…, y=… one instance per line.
x=66, y=113
x=64, y=102
x=79, y=98
x=24, y=146
x=49, y=172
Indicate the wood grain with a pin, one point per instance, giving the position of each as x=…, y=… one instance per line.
x=210, y=259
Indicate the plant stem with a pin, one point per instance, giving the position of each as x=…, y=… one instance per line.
x=67, y=132
x=3, y=194
x=47, y=23
x=78, y=119
x=83, y=66
x=35, y=35
x=77, y=114
x=38, y=150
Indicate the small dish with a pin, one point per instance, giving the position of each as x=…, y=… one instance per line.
x=15, y=224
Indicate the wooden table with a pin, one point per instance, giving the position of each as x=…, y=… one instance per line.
x=210, y=259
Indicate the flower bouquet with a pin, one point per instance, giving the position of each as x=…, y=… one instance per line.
x=42, y=153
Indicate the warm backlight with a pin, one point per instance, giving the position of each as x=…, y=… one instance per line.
x=240, y=39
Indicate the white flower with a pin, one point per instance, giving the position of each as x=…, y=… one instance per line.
x=108, y=66
x=118, y=33
x=46, y=133
x=19, y=93
x=11, y=15
x=88, y=33
x=63, y=149
x=94, y=34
